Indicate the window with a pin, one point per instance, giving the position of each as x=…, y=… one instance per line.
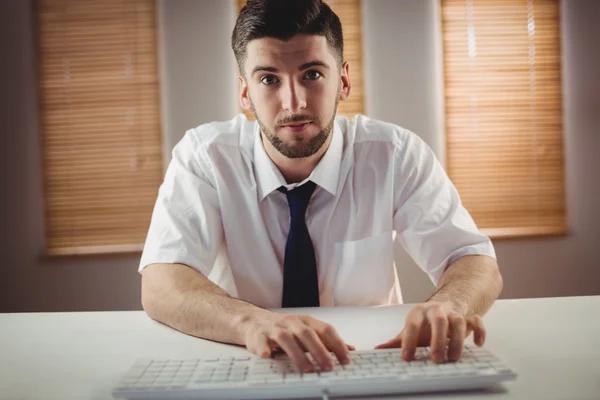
x=503, y=105
x=349, y=14
x=100, y=124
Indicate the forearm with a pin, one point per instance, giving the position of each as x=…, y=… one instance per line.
x=185, y=300
x=471, y=284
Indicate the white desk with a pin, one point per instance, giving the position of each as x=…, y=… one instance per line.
x=553, y=344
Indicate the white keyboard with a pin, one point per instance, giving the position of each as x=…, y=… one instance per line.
x=370, y=372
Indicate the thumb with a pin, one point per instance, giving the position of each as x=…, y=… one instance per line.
x=264, y=347
x=393, y=343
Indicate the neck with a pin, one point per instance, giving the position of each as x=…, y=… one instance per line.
x=295, y=169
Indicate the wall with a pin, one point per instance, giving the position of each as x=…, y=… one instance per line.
x=400, y=41
x=199, y=72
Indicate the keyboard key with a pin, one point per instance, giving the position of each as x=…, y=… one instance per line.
x=275, y=379
x=463, y=366
x=310, y=377
x=373, y=376
x=142, y=364
x=357, y=377
x=174, y=386
x=378, y=371
x=504, y=371
x=484, y=372
x=191, y=364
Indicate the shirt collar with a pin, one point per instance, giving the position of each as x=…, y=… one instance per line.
x=326, y=173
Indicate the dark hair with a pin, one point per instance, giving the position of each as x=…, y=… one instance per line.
x=282, y=19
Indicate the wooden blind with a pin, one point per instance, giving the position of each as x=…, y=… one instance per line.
x=504, y=113
x=100, y=124
x=349, y=13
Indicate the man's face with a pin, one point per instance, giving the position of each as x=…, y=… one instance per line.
x=293, y=89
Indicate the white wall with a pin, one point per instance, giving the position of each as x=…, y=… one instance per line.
x=199, y=86
x=198, y=70
x=403, y=79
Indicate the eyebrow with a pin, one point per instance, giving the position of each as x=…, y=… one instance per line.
x=315, y=63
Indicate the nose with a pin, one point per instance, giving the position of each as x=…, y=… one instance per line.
x=293, y=98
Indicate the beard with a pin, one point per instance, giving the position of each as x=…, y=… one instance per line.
x=298, y=148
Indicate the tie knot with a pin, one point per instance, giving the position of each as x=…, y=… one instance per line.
x=298, y=198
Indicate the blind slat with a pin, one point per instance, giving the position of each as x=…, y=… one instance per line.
x=503, y=104
x=100, y=122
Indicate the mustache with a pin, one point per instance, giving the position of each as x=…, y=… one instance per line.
x=296, y=118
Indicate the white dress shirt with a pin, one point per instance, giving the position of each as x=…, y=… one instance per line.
x=219, y=212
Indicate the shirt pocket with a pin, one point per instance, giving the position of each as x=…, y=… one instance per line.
x=365, y=275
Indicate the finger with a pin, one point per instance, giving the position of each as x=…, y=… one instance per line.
x=439, y=333
x=260, y=345
x=392, y=343
x=458, y=329
x=350, y=347
x=288, y=343
x=410, y=336
x=476, y=324
x=469, y=328
x=312, y=342
x=332, y=340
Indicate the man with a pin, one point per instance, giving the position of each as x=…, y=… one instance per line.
x=301, y=209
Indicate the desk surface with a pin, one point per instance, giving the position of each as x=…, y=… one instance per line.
x=553, y=344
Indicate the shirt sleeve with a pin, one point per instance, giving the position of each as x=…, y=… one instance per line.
x=186, y=224
x=430, y=220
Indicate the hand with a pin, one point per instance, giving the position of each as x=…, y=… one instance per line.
x=296, y=335
x=436, y=324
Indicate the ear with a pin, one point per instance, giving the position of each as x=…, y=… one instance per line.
x=244, y=99
x=346, y=85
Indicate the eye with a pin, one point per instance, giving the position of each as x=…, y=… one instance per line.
x=313, y=75
x=269, y=79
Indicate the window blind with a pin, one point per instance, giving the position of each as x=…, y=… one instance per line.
x=349, y=13
x=100, y=124
x=503, y=104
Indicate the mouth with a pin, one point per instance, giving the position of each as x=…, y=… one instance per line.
x=297, y=126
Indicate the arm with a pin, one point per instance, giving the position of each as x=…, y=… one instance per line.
x=185, y=300
x=471, y=284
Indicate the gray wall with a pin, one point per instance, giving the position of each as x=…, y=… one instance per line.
x=403, y=86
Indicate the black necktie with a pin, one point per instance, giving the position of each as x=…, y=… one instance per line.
x=300, y=281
